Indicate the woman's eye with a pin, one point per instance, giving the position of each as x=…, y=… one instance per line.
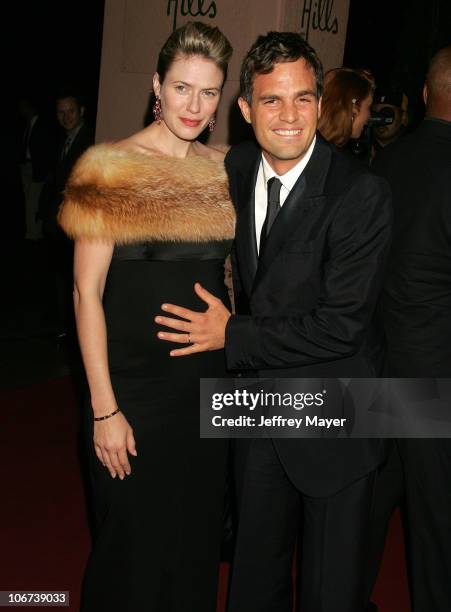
x=180, y=88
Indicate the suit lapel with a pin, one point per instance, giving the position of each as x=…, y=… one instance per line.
x=306, y=193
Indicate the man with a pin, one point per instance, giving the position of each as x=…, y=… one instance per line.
x=417, y=318
x=396, y=102
x=76, y=137
x=311, y=238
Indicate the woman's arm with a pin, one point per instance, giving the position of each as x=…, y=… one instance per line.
x=113, y=436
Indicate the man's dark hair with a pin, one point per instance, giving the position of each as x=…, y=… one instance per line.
x=277, y=48
x=70, y=92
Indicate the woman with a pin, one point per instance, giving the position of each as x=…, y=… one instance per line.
x=151, y=215
x=346, y=105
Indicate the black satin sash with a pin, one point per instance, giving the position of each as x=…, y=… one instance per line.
x=173, y=251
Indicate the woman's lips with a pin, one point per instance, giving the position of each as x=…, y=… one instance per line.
x=190, y=122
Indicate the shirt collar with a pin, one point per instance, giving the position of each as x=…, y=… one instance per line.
x=73, y=133
x=288, y=179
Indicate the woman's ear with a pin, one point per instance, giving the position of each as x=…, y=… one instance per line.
x=156, y=84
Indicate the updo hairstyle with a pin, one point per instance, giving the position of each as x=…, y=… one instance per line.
x=195, y=38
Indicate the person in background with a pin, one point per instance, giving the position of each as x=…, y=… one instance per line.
x=76, y=135
x=396, y=101
x=346, y=105
x=416, y=310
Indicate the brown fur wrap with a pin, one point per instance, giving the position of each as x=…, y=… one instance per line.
x=125, y=196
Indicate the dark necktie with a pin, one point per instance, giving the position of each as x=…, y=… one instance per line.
x=66, y=147
x=274, y=185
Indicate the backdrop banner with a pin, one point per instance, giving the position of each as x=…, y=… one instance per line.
x=135, y=30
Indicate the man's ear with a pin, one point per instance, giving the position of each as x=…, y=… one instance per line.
x=156, y=84
x=82, y=111
x=319, y=106
x=425, y=94
x=245, y=109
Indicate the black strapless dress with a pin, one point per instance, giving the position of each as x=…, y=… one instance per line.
x=158, y=532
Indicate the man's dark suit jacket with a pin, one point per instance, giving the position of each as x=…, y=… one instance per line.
x=83, y=140
x=52, y=195
x=417, y=294
x=305, y=307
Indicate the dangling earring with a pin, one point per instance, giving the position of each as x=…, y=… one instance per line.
x=353, y=115
x=212, y=124
x=157, y=112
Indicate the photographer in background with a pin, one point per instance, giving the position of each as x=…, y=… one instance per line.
x=396, y=102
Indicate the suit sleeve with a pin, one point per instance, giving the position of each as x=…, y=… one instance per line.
x=239, y=300
x=358, y=244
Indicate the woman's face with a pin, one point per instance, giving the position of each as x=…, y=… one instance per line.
x=361, y=116
x=189, y=95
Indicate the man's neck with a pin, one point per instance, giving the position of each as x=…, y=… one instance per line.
x=385, y=143
x=442, y=112
x=74, y=131
x=282, y=166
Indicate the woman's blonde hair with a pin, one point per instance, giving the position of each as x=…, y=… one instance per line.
x=195, y=38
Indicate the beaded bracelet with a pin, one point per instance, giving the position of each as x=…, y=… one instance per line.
x=107, y=416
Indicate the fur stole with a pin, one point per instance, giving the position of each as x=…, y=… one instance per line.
x=125, y=196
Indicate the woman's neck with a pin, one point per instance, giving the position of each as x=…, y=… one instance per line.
x=161, y=139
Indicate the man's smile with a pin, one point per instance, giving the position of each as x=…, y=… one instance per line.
x=289, y=133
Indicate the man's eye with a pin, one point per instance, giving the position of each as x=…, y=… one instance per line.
x=210, y=93
x=305, y=100
x=270, y=101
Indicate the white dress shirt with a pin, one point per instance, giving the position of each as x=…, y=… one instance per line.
x=288, y=180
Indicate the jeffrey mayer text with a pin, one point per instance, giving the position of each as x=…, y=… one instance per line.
x=277, y=421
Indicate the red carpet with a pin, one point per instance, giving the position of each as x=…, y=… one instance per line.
x=45, y=540
x=44, y=533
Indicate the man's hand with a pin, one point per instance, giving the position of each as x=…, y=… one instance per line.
x=202, y=331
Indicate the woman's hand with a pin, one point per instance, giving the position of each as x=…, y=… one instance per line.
x=113, y=437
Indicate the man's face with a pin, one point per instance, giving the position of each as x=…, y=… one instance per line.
x=284, y=113
x=69, y=113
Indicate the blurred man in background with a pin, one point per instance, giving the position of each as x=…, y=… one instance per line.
x=76, y=136
x=396, y=102
x=417, y=319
